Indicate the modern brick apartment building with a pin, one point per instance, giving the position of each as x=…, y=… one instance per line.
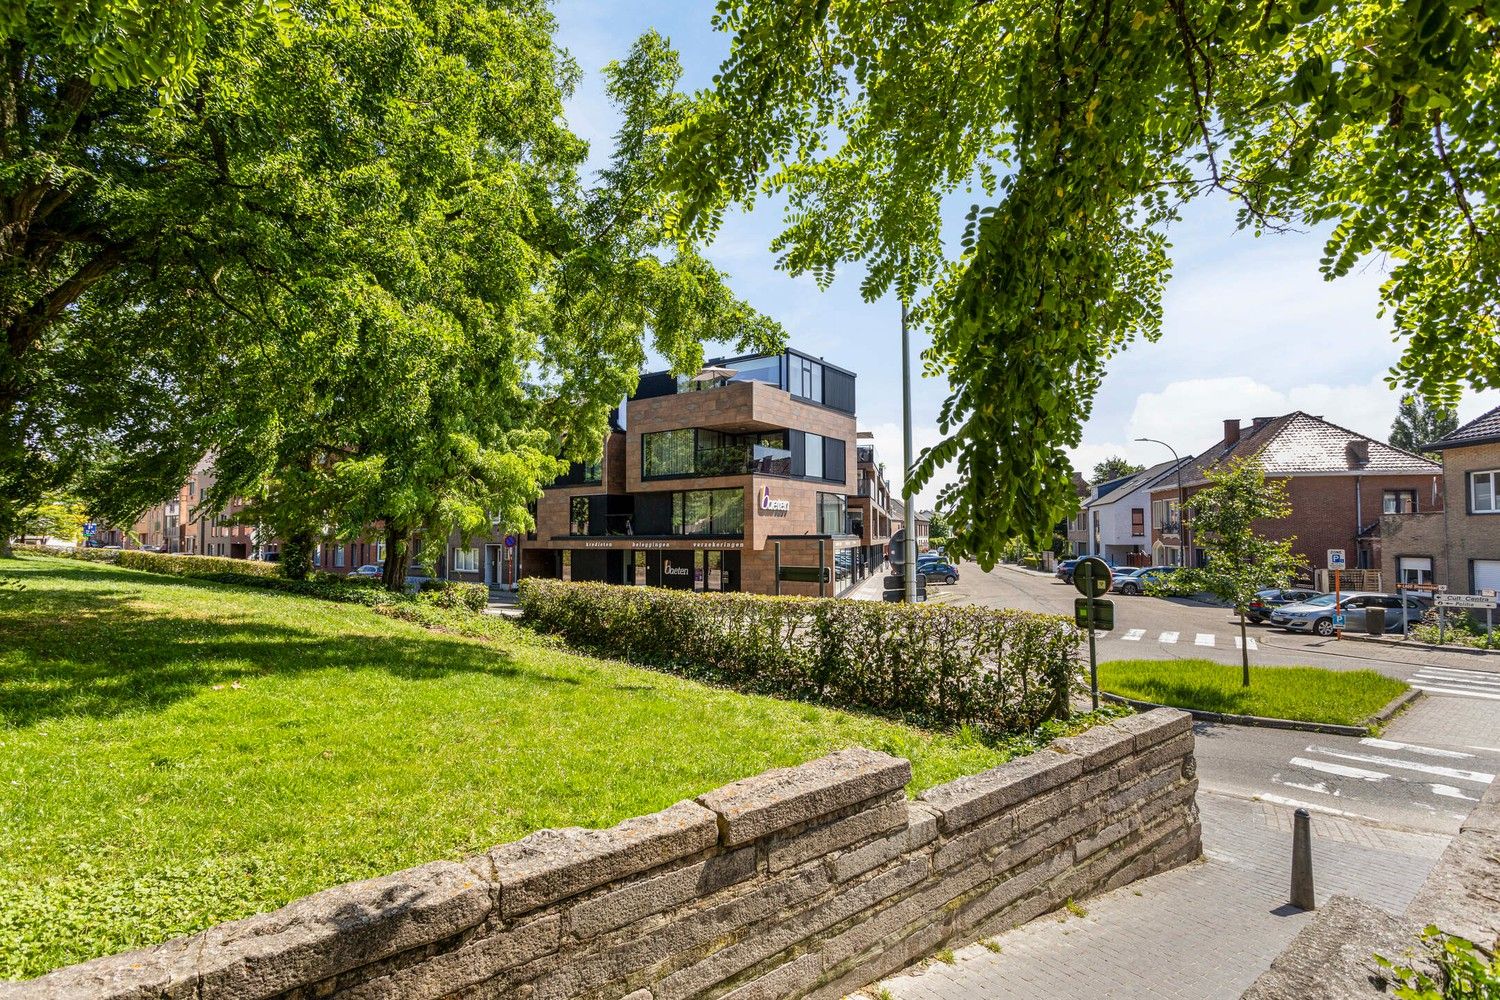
x=1340, y=483
x=713, y=482
x=873, y=510
x=1458, y=545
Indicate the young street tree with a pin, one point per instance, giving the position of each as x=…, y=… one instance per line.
x=1238, y=560
x=1081, y=128
x=1419, y=423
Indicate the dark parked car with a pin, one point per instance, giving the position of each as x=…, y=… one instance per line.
x=939, y=571
x=1065, y=570
x=1265, y=601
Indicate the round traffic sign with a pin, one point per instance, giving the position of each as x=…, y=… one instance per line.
x=1092, y=577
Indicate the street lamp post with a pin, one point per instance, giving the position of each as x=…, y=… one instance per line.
x=909, y=520
x=1182, y=531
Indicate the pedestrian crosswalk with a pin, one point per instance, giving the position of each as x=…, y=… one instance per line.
x=1432, y=778
x=1454, y=681
x=1207, y=639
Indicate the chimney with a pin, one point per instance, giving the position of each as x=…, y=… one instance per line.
x=1260, y=422
x=1231, y=433
x=1358, y=452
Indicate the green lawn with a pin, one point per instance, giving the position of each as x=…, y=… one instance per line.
x=177, y=753
x=1308, y=694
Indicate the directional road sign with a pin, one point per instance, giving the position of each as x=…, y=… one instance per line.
x=1465, y=601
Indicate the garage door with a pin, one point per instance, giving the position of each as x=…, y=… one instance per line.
x=1486, y=574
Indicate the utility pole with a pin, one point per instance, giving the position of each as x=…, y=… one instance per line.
x=909, y=520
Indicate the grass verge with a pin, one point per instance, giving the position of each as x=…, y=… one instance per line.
x=1306, y=694
x=178, y=752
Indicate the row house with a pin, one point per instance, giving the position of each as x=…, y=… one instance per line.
x=1115, y=522
x=871, y=510
x=1340, y=484
x=182, y=524
x=1080, y=530
x=1455, y=544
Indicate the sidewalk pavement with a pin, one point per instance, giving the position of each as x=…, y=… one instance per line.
x=1205, y=930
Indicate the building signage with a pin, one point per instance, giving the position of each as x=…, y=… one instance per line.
x=773, y=506
x=671, y=570
x=648, y=543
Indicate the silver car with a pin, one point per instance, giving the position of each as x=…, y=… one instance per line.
x=1316, y=615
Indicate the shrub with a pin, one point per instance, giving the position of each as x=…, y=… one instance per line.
x=1464, y=972
x=997, y=670
x=456, y=594
x=180, y=564
x=84, y=555
x=1457, y=629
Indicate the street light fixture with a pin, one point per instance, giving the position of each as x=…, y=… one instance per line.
x=1182, y=531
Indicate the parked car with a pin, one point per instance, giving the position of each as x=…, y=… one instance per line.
x=1065, y=570
x=1316, y=614
x=368, y=569
x=1127, y=580
x=1265, y=601
x=938, y=571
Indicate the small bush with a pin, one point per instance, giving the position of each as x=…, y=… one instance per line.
x=1000, y=671
x=456, y=594
x=1458, y=629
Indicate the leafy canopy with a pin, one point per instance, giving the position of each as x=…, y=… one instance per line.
x=1082, y=127
x=1419, y=423
x=1115, y=467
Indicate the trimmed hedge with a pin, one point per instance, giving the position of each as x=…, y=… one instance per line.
x=997, y=670
x=179, y=564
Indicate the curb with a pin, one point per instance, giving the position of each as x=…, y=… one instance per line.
x=1396, y=704
x=1409, y=644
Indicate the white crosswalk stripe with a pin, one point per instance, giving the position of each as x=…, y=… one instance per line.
x=1204, y=639
x=1457, y=681
x=1237, y=644
x=1134, y=635
x=1167, y=637
x=1426, y=774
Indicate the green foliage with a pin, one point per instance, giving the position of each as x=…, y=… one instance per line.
x=55, y=515
x=1450, y=627
x=1238, y=561
x=334, y=744
x=1464, y=972
x=1114, y=467
x=1307, y=694
x=1001, y=671
x=1080, y=132
x=474, y=597
x=179, y=564
x=1419, y=423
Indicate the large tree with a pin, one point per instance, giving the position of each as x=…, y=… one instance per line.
x=1419, y=423
x=357, y=264
x=1082, y=126
x=1115, y=467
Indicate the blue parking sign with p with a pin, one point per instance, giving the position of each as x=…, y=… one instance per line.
x=1338, y=621
x=89, y=528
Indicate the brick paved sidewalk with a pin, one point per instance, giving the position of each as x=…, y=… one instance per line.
x=1202, y=931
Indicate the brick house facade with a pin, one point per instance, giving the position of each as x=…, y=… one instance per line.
x=1459, y=545
x=1340, y=484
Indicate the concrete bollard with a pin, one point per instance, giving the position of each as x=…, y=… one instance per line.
x=1302, y=877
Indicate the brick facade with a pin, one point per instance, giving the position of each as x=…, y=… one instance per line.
x=1464, y=545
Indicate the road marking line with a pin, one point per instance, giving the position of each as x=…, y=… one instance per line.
x=1341, y=770
x=1489, y=749
x=1478, y=777
x=1204, y=639
x=1461, y=692
x=1473, y=676
x=1449, y=792
x=1429, y=751
x=1167, y=637
x=1423, y=675
x=1295, y=804
x=1134, y=635
x=1460, y=670
x=1237, y=644
x=1320, y=788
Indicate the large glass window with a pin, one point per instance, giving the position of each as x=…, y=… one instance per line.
x=806, y=378
x=758, y=370
x=667, y=453
x=1482, y=492
x=708, y=512
x=770, y=454
x=812, y=456
x=832, y=514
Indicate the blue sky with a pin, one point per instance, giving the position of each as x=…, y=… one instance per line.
x=1251, y=329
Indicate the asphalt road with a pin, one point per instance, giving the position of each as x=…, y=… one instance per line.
x=1423, y=774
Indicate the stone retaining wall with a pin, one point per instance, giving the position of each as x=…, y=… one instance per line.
x=805, y=881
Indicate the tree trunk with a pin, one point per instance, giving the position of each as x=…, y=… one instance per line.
x=1244, y=648
x=296, y=555
x=397, y=558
